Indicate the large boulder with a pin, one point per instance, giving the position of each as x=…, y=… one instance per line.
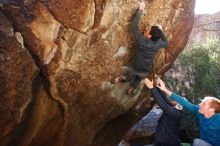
x=78, y=46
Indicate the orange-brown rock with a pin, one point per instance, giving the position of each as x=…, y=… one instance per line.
x=78, y=46
x=17, y=77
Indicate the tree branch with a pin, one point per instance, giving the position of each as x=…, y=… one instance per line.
x=206, y=29
x=218, y=21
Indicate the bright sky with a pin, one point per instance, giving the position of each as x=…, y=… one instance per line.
x=207, y=6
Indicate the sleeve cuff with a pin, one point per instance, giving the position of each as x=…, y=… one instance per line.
x=172, y=95
x=153, y=89
x=140, y=11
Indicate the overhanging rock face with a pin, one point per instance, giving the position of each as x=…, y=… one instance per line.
x=78, y=47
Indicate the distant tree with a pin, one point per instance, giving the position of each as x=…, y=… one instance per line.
x=202, y=67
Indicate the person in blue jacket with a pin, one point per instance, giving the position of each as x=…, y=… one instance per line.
x=148, y=44
x=208, y=114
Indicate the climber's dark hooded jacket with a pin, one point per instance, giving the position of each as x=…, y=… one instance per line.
x=146, y=48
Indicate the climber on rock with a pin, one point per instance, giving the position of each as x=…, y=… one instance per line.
x=148, y=44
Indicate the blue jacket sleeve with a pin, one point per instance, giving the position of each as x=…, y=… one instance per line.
x=168, y=109
x=138, y=35
x=186, y=104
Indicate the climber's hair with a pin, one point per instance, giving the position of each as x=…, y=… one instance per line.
x=156, y=33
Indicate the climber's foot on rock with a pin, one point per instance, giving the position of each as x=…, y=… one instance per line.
x=119, y=79
x=130, y=91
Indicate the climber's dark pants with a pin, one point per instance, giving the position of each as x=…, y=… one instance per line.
x=135, y=78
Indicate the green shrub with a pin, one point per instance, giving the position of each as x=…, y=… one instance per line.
x=201, y=66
